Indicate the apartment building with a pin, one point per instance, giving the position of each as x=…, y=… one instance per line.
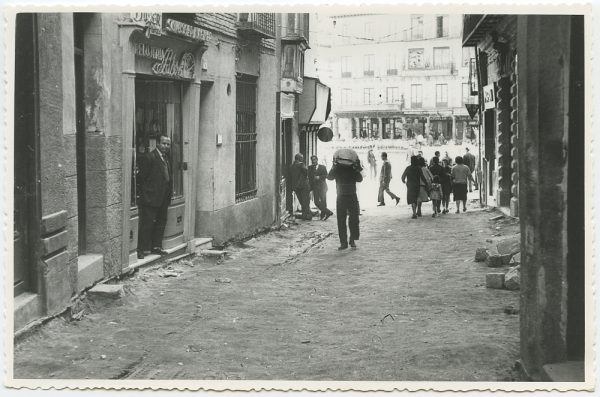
x=396, y=76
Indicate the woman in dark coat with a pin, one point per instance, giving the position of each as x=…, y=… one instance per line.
x=446, y=182
x=412, y=178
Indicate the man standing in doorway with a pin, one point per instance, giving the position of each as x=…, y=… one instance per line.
x=156, y=188
x=384, y=181
x=300, y=185
x=317, y=174
x=469, y=160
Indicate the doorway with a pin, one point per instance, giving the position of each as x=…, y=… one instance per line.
x=158, y=111
x=25, y=152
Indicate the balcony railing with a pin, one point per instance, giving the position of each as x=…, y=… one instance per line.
x=369, y=73
x=346, y=74
x=392, y=72
x=257, y=23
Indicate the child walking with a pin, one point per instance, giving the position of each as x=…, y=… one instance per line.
x=436, y=195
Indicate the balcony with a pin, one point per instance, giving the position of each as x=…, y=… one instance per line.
x=476, y=26
x=257, y=24
x=346, y=75
x=392, y=72
x=368, y=73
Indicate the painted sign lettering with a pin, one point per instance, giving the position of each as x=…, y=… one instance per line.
x=170, y=66
x=151, y=19
x=186, y=30
x=148, y=51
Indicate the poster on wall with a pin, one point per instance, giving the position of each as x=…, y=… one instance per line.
x=489, y=96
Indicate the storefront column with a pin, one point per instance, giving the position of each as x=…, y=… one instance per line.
x=336, y=127
x=380, y=127
x=128, y=114
x=454, y=133
x=503, y=128
x=356, y=132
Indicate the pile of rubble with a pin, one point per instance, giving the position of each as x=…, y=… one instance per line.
x=504, y=255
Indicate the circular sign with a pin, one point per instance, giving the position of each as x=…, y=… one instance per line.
x=325, y=134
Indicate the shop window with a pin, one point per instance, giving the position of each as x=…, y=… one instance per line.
x=245, y=139
x=441, y=95
x=158, y=112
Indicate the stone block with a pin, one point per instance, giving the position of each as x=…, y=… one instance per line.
x=73, y=228
x=56, y=262
x=481, y=254
x=213, y=253
x=113, y=187
x=496, y=218
x=494, y=280
x=54, y=222
x=71, y=195
x=55, y=242
x=58, y=289
x=111, y=291
x=512, y=279
x=509, y=246
x=497, y=260
x=114, y=217
x=96, y=189
x=69, y=162
x=90, y=268
x=505, y=259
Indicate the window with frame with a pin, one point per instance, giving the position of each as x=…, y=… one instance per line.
x=346, y=67
x=416, y=96
x=416, y=58
x=466, y=93
x=346, y=98
x=368, y=96
x=392, y=64
x=368, y=30
x=442, y=26
x=391, y=94
x=441, y=95
x=416, y=27
x=245, y=139
x=368, y=65
x=441, y=57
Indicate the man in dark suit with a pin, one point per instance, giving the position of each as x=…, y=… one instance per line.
x=155, y=181
x=300, y=186
x=317, y=179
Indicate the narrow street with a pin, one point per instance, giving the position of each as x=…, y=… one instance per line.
x=409, y=304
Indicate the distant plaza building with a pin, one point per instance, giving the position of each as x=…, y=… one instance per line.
x=397, y=76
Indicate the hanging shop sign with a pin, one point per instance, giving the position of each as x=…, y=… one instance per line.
x=168, y=63
x=189, y=31
x=153, y=20
x=489, y=96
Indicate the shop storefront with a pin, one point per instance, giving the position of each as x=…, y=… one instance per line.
x=161, y=93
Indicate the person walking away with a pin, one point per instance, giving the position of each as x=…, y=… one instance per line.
x=460, y=174
x=347, y=205
x=446, y=182
x=317, y=179
x=425, y=185
x=448, y=159
x=372, y=164
x=436, y=154
x=155, y=181
x=435, y=168
x=300, y=185
x=384, y=181
x=436, y=195
x=469, y=160
x=412, y=178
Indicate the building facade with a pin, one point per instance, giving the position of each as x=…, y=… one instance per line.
x=93, y=92
x=397, y=76
x=531, y=71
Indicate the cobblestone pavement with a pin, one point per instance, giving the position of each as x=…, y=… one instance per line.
x=409, y=304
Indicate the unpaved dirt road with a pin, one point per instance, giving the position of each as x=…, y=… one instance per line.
x=409, y=304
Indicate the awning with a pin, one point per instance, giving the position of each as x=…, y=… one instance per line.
x=314, y=103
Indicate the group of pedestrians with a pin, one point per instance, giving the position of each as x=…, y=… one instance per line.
x=434, y=182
